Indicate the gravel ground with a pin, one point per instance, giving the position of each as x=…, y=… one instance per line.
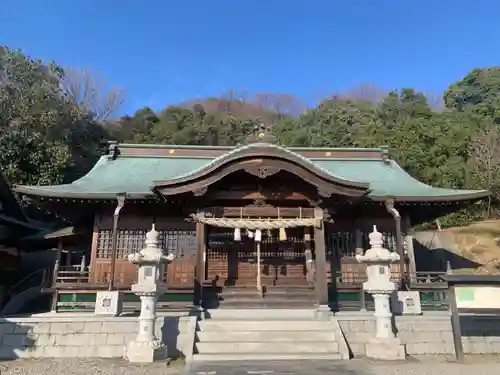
x=478, y=365
x=48, y=366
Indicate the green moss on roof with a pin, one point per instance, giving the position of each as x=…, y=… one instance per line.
x=134, y=175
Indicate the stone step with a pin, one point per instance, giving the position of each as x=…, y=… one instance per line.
x=226, y=325
x=214, y=347
x=265, y=336
x=266, y=356
x=253, y=289
x=252, y=313
x=291, y=290
x=268, y=297
x=268, y=289
x=248, y=304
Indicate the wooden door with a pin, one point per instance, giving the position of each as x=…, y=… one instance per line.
x=283, y=262
x=230, y=262
x=234, y=263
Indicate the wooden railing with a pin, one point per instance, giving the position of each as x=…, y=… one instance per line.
x=351, y=296
x=427, y=277
x=72, y=275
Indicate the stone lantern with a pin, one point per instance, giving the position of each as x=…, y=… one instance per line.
x=378, y=260
x=151, y=261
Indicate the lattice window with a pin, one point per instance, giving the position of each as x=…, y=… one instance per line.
x=104, y=245
x=180, y=242
x=217, y=241
x=343, y=244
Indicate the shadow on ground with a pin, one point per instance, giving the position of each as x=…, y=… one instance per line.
x=302, y=367
x=16, y=338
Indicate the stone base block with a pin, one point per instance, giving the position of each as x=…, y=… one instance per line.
x=323, y=312
x=109, y=303
x=139, y=352
x=385, y=349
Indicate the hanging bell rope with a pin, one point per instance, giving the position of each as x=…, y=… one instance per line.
x=282, y=231
x=258, y=235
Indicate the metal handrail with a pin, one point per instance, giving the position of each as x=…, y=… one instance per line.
x=14, y=288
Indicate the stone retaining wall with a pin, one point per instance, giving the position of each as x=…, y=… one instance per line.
x=427, y=334
x=87, y=335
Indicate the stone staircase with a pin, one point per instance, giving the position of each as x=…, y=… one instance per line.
x=252, y=334
x=275, y=297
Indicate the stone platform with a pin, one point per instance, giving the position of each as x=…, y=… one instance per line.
x=84, y=335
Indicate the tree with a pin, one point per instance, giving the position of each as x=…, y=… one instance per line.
x=53, y=122
x=130, y=127
x=279, y=103
x=39, y=122
x=231, y=101
x=364, y=92
x=28, y=159
x=478, y=91
x=485, y=162
x=91, y=94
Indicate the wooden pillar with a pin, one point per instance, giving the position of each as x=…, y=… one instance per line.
x=360, y=251
x=93, y=249
x=320, y=251
x=308, y=255
x=410, y=250
x=201, y=241
x=69, y=254
x=259, y=271
x=359, y=238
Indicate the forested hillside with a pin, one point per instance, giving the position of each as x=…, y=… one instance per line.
x=55, y=122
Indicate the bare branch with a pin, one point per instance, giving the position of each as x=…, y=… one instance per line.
x=231, y=100
x=486, y=161
x=92, y=93
x=281, y=104
x=435, y=100
x=364, y=92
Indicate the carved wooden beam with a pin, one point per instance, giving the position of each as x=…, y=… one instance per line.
x=262, y=171
x=200, y=191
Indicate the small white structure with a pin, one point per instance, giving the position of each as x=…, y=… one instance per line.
x=109, y=302
x=385, y=345
x=151, y=260
x=406, y=303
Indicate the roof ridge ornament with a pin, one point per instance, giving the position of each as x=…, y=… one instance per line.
x=384, y=152
x=262, y=133
x=112, y=151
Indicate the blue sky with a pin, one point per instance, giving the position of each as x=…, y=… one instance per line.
x=168, y=51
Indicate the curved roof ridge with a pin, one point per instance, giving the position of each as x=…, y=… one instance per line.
x=102, y=161
x=258, y=145
x=427, y=186
x=292, y=148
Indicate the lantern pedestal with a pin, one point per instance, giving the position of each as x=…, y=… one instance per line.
x=146, y=347
x=384, y=345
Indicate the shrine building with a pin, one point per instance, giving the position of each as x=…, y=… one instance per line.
x=247, y=224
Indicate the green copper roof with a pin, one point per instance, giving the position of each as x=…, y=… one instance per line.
x=135, y=175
